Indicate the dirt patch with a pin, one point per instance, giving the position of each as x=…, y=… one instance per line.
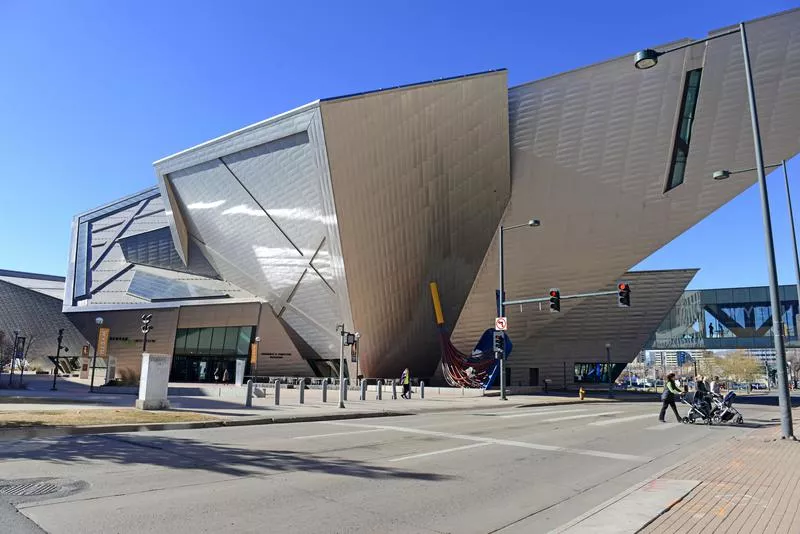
x=96, y=416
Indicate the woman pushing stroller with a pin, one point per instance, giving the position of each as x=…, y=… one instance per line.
x=668, y=398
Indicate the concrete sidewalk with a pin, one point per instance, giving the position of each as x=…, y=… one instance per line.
x=748, y=484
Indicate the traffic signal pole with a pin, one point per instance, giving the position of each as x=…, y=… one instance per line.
x=502, y=313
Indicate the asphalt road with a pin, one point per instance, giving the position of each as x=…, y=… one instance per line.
x=509, y=470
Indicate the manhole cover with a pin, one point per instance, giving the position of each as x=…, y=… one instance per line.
x=28, y=489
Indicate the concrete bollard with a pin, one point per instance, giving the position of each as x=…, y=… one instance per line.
x=248, y=400
x=302, y=391
x=363, y=395
x=277, y=392
x=380, y=389
x=394, y=389
x=422, y=389
x=324, y=390
x=345, y=385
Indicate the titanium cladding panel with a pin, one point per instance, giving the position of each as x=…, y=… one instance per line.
x=590, y=153
x=420, y=177
x=258, y=202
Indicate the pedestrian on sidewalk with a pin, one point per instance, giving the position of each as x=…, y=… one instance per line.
x=668, y=398
x=405, y=379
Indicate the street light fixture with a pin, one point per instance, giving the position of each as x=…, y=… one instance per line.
x=647, y=59
x=99, y=322
x=501, y=306
x=724, y=173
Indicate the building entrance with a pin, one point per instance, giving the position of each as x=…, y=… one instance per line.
x=210, y=354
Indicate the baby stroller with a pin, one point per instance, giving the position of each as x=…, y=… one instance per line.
x=723, y=411
x=699, y=408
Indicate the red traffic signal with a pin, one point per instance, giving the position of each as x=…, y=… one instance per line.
x=624, y=295
x=555, y=300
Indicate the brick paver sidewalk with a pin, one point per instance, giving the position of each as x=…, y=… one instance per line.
x=750, y=484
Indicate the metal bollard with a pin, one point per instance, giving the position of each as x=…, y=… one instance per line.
x=345, y=385
x=363, y=395
x=324, y=390
x=302, y=391
x=380, y=389
x=422, y=389
x=277, y=392
x=248, y=400
x=394, y=389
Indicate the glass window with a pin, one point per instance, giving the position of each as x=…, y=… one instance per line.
x=217, y=340
x=680, y=153
x=204, y=344
x=245, y=333
x=180, y=341
x=192, y=337
x=231, y=339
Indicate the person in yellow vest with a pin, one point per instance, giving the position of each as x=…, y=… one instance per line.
x=405, y=379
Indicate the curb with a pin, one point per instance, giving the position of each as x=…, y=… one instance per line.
x=48, y=400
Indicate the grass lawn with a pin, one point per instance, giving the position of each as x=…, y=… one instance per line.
x=95, y=416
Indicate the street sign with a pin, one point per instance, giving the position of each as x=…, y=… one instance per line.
x=102, y=342
x=501, y=323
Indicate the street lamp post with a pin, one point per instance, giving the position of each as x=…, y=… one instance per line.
x=501, y=305
x=649, y=58
x=99, y=322
x=608, y=371
x=725, y=173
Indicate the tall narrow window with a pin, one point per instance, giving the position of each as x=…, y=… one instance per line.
x=680, y=154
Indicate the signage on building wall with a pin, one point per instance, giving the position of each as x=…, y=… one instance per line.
x=102, y=342
x=276, y=355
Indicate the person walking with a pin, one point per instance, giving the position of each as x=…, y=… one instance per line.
x=715, y=386
x=405, y=379
x=668, y=398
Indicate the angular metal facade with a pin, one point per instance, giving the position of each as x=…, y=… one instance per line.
x=421, y=177
x=342, y=211
x=590, y=154
x=31, y=304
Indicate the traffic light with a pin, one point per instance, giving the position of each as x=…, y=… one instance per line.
x=499, y=342
x=624, y=295
x=555, y=300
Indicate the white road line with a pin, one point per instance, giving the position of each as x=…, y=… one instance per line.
x=618, y=420
x=463, y=447
x=663, y=426
x=510, y=443
x=339, y=434
x=584, y=416
x=543, y=412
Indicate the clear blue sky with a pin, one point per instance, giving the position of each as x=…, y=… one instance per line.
x=91, y=93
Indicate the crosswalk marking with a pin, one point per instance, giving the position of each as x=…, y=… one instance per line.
x=506, y=442
x=541, y=412
x=584, y=416
x=618, y=420
x=339, y=434
x=463, y=447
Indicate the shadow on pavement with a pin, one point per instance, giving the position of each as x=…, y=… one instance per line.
x=185, y=453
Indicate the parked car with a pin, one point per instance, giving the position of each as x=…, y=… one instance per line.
x=758, y=385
